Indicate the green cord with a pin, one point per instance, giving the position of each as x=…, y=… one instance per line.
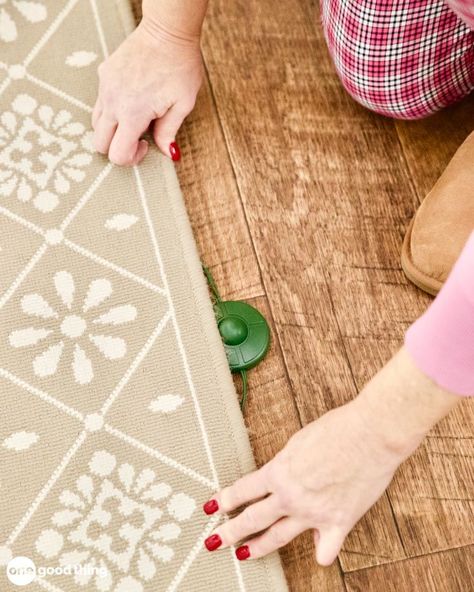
x=212, y=283
x=243, y=400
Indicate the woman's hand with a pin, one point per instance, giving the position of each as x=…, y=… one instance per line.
x=332, y=471
x=327, y=476
x=154, y=76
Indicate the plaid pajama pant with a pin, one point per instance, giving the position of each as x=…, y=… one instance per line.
x=401, y=58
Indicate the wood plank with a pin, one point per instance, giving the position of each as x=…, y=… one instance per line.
x=433, y=496
x=213, y=203
x=318, y=175
x=451, y=571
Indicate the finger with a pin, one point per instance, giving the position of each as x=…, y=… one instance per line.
x=141, y=152
x=277, y=536
x=246, y=489
x=96, y=113
x=328, y=543
x=252, y=520
x=166, y=128
x=125, y=148
x=103, y=134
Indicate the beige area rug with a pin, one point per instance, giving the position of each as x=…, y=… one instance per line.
x=118, y=414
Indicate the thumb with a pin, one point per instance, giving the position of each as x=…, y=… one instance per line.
x=166, y=128
x=328, y=543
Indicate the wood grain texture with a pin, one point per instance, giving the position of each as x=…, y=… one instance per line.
x=451, y=571
x=216, y=214
x=213, y=203
x=433, y=494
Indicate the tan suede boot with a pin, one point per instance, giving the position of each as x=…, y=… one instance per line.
x=442, y=223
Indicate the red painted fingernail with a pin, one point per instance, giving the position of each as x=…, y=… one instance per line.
x=242, y=553
x=175, y=151
x=211, y=506
x=213, y=542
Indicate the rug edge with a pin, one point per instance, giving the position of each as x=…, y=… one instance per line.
x=226, y=387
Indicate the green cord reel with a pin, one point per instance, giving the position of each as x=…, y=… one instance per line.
x=244, y=331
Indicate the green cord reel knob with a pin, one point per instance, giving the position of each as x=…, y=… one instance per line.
x=245, y=334
x=233, y=330
x=244, y=331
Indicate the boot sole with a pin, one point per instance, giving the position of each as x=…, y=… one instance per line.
x=415, y=275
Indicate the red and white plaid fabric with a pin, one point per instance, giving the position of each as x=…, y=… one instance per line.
x=402, y=58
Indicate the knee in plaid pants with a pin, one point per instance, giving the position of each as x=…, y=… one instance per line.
x=400, y=58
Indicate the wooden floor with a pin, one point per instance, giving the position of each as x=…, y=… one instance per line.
x=299, y=200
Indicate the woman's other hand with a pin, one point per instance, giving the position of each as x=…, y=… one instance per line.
x=152, y=78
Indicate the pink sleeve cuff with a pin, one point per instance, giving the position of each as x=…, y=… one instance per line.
x=441, y=341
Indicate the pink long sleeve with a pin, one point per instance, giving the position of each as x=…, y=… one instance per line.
x=442, y=340
x=464, y=9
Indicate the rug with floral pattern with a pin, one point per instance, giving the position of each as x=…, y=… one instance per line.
x=118, y=414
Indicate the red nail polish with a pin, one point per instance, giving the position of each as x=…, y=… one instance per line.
x=211, y=506
x=213, y=542
x=175, y=151
x=242, y=553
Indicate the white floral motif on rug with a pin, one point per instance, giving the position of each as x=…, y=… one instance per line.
x=73, y=325
x=111, y=494
x=41, y=150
